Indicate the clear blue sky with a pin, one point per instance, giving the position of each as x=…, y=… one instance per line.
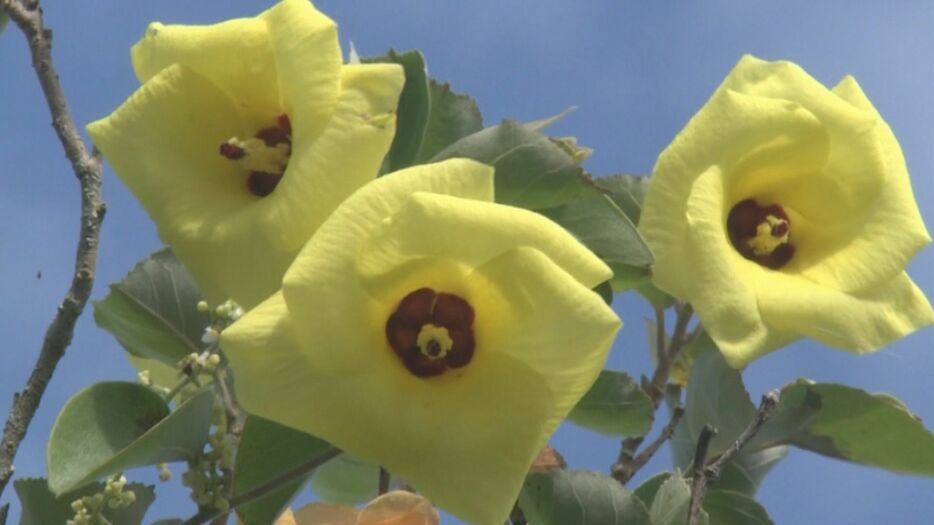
x=636, y=70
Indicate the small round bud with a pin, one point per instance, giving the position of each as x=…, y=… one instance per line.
x=203, y=306
x=210, y=336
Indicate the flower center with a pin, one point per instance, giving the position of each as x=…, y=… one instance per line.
x=431, y=331
x=434, y=341
x=263, y=157
x=761, y=233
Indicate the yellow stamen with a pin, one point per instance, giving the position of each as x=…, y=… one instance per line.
x=766, y=241
x=434, y=341
x=260, y=157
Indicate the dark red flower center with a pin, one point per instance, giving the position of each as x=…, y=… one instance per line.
x=431, y=331
x=264, y=156
x=761, y=233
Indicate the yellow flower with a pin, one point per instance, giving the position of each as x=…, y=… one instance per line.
x=783, y=210
x=427, y=329
x=392, y=508
x=244, y=136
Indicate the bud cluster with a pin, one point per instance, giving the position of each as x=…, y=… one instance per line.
x=89, y=510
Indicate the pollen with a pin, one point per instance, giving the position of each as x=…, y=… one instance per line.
x=770, y=234
x=760, y=233
x=264, y=157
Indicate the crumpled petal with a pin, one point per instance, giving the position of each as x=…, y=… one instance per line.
x=234, y=55
x=774, y=134
x=205, y=85
x=541, y=339
x=314, y=281
x=471, y=231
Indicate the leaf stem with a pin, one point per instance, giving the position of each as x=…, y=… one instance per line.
x=27, y=15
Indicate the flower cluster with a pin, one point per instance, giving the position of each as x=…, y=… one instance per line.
x=415, y=323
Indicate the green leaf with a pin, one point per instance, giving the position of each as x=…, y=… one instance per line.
x=649, y=488
x=153, y=311
x=531, y=171
x=41, y=507
x=413, y=110
x=113, y=426
x=716, y=396
x=726, y=507
x=614, y=406
x=601, y=226
x=563, y=497
x=268, y=450
x=345, y=481
x=627, y=191
x=748, y=469
x=870, y=429
x=453, y=116
x=672, y=502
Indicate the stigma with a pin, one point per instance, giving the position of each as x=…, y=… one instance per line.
x=263, y=157
x=761, y=234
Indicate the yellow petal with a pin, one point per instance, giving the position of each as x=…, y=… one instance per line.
x=857, y=321
x=756, y=145
x=399, y=508
x=420, y=430
x=318, y=285
x=326, y=514
x=471, y=232
x=719, y=281
x=308, y=60
x=346, y=155
x=541, y=338
x=235, y=55
x=539, y=298
x=162, y=142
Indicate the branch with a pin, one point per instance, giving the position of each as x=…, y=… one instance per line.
x=627, y=465
x=705, y=475
x=27, y=15
x=206, y=515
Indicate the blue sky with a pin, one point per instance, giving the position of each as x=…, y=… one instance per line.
x=636, y=71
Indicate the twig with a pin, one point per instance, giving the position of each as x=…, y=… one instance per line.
x=207, y=515
x=231, y=409
x=624, y=468
x=627, y=466
x=678, y=339
x=704, y=475
x=27, y=15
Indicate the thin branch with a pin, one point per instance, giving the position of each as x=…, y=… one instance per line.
x=624, y=470
x=625, y=466
x=704, y=475
x=207, y=515
x=656, y=390
x=27, y=15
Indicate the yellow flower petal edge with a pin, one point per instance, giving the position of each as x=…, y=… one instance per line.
x=244, y=136
x=784, y=210
x=393, y=508
x=446, y=360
